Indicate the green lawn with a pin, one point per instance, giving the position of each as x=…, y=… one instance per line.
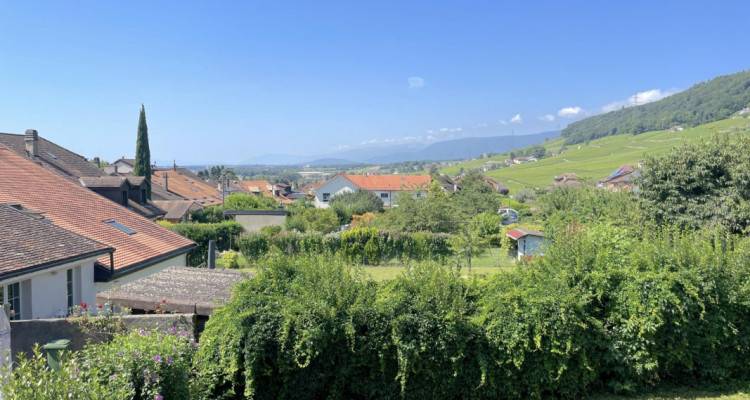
x=490, y=262
x=600, y=157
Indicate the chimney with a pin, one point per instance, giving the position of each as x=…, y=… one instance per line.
x=32, y=142
x=174, y=165
x=97, y=162
x=164, y=179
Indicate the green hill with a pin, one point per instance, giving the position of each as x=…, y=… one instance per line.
x=705, y=102
x=600, y=157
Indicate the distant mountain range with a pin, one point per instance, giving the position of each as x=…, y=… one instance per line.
x=445, y=150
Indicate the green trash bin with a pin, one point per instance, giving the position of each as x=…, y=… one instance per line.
x=53, y=350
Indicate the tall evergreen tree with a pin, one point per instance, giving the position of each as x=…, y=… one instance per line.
x=142, y=152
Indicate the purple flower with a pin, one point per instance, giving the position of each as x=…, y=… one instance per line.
x=157, y=359
x=159, y=397
x=169, y=360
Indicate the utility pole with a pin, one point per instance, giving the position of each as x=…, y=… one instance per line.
x=635, y=99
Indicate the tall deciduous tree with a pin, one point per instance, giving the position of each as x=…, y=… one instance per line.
x=142, y=152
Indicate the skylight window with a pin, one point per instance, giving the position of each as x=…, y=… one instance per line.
x=120, y=226
x=54, y=157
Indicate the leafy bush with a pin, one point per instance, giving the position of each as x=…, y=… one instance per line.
x=355, y=203
x=254, y=245
x=137, y=365
x=231, y=259
x=149, y=363
x=525, y=195
x=32, y=379
x=208, y=215
x=605, y=309
x=201, y=234
x=241, y=201
x=313, y=220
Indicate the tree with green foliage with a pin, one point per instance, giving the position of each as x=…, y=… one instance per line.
x=703, y=103
x=476, y=196
x=355, y=203
x=538, y=151
x=434, y=212
x=321, y=220
x=242, y=201
x=695, y=185
x=142, y=165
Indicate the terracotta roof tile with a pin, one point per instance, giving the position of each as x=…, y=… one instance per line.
x=29, y=243
x=389, y=182
x=187, y=186
x=84, y=212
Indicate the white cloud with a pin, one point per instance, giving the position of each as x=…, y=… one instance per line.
x=517, y=119
x=416, y=82
x=548, y=118
x=568, y=112
x=639, y=98
x=503, y=122
x=482, y=125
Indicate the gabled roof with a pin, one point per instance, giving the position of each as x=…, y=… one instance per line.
x=128, y=161
x=31, y=244
x=260, y=186
x=388, y=182
x=187, y=186
x=86, y=213
x=52, y=157
x=518, y=233
x=73, y=167
x=176, y=209
x=103, y=181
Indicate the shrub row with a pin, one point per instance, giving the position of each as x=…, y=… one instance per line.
x=223, y=232
x=361, y=245
x=603, y=310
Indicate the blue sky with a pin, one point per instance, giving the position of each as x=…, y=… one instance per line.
x=224, y=81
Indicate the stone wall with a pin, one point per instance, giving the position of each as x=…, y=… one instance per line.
x=26, y=333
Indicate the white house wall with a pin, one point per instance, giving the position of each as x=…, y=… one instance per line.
x=44, y=294
x=333, y=187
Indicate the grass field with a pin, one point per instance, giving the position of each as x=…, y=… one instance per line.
x=490, y=262
x=599, y=158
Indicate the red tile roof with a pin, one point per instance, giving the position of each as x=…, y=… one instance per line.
x=261, y=186
x=518, y=233
x=389, y=182
x=31, y=243
x=84, y=212
x=187, y=186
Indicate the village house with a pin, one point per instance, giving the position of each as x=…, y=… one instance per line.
x=183, y=183
x=129, y=192
x=44, y=269
x=121, y=166
x=385, y=187
x=141, y=247
x=622, y=179
x=569, y=179
x=177, y=210
x=676, y=128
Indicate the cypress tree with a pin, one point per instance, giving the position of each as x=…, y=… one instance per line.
x=142, y=152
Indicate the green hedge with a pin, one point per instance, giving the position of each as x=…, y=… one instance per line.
x=362, y=245
x=604, y=310
x=223, y=232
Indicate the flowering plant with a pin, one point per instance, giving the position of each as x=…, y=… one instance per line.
x=153, y=364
